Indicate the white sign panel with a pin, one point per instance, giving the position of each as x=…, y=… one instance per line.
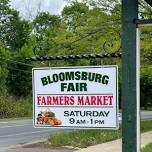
x=75, y=97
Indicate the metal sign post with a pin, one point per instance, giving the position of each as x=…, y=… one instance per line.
x=138, y=88
x=130, y=80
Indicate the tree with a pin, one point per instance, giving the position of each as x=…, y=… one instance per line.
x=92, y=27
x=146, y=45
x=18, y=33
x=145, y=10
x=146, y=88
x=19, y=81
x=82, y=30
x=14, y=30
x=73, y=15
x=41, y=24
x=5, y=17
x=4, y=55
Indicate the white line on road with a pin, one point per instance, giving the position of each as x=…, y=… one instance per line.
x=14, y=121
x=11, y=126
x=24, y=133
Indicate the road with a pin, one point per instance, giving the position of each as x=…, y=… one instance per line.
x=20, y=132
x=145, y=115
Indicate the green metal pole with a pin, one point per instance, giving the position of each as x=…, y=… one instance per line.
x=130, y=78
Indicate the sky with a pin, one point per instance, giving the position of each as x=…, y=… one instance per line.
x=29, y=8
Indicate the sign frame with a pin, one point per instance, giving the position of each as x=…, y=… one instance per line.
x=77, y=67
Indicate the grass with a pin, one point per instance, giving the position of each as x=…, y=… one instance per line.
x=146, y=126
x=148, y=148
x=85, y=138
x=15, y=108
x=149, y=108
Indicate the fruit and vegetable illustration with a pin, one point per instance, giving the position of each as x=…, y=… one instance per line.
x=48, y=118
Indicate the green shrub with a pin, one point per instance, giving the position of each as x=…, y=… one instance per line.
x=15, y=108
x=146, y=89
x=82, y=138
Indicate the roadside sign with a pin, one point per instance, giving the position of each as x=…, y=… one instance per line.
x=75, y=97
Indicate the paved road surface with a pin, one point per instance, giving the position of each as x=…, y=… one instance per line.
x=145, y=115
x=19, y=132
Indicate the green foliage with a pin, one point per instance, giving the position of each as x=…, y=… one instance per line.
x=89, y=26
x=147, y=148
x=4, y=19
x=85, y=138
x=45, y=27
x=4, y=55
x=146, y=126
x=86, y=31
x=145, y=9
x=146, y=45
x=44, y=21
x=15, y=108
x=18, y=34
x=146, y=88
x=75, y=15
x=14, y=30
x=19, y=80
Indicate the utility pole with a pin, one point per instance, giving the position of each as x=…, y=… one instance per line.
x=130, y=77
